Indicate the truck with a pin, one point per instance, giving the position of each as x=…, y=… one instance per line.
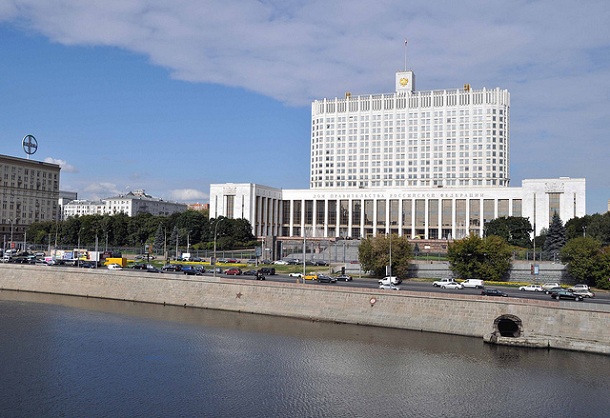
x=442, y=282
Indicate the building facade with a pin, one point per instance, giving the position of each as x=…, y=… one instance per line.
x=430, y=165
x=29, y=191
x=131, y=204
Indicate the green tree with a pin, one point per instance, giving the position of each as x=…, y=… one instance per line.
x=486, y=258
x=515, y=230
x=159, y=243
x=580, y=256
x=374, y=255
x=555, y=238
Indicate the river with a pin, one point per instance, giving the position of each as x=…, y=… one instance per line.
x=65, y=356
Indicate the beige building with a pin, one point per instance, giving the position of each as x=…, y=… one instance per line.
x=29, y=191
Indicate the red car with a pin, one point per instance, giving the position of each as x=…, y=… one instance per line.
x=233, y=271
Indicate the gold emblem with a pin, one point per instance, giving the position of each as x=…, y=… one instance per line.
x=404, y=81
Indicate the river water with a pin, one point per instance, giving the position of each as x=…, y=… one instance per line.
x=65, y=356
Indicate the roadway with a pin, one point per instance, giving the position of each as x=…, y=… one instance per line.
x=414, y=286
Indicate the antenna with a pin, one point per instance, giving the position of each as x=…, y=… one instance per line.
x=405, y=54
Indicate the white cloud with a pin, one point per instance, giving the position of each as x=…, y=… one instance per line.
x=101, y=190
x=65, y=167
x=188, y=195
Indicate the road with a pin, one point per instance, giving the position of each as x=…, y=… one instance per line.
x=417, y=286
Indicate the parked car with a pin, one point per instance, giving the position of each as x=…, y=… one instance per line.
x=233, y=271
x=493, y=292
x=299, y=275
x=114, y=266
x=390, y=280
x=323, y=278
x=474, y=283
x=389, y=287
x=251, y=261
x=321, y=263
x=566, y=294
x=531, y=288
x=281, y=262
x=232, y=260
x=344, y=278
x=452, y=285
x=441, y=282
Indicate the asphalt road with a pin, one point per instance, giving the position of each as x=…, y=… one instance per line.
x=417, y=286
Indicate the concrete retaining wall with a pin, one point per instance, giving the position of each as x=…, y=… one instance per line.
x=567, y=325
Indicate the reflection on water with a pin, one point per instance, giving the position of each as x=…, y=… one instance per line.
x=67, y=356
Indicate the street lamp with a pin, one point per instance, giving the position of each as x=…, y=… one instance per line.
x=11, y=243
x=214, y=255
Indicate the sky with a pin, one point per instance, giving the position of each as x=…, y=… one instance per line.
x=172, y=96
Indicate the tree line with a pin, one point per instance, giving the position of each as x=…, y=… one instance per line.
x=192, y=228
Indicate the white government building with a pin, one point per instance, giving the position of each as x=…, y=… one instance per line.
x=423, y=164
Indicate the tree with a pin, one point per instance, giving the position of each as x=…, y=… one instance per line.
x=486, y=258
x=515, y=230
x=579, y=254
x=159, y=243
x=556, y=236
x=374, y=255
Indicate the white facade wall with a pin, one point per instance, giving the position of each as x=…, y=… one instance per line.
x=434, y=213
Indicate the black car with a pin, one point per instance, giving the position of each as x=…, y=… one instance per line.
x=323, y=278
x=493, y=292
x=566, y=294
x=269, y=271
x=193, y=270
x=172, y=267
x=249, y=273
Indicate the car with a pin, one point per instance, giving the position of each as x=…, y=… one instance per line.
x=193, y=270
x=233, y=271
x=310, y=276
x=172, y=267
x=281, y=262
x=389, y=286
x=269, y=271
x=344, y=278
x=566, y=294
x=114, y=266
x=323, y=278
x=553, y=289
x=251, y=261
x=232, y=260
x=299, y=275
x=390, y=280
x=493, y=292
x=582, y=290
x=321, y=263
x=249, y=273
x=548, y=286
x=474, y=283
x=452, y=285
x=441, y=282
x=531, y=288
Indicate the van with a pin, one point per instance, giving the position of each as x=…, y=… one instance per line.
x=474, y=283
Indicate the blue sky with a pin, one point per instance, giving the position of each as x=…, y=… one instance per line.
x=173, y=96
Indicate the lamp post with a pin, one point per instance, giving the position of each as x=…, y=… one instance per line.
x=214, y=255
x=11, y=243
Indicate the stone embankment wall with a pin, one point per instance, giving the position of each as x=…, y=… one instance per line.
x=567, y=325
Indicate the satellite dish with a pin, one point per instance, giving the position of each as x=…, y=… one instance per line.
x=29, y=144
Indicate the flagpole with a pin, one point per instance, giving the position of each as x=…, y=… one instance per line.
x=405, y=55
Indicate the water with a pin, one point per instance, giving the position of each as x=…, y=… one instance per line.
x=77, y=357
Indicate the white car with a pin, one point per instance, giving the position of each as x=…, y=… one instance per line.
x=582, y=290
x=441, y=282
x=114, y=266
x=389, y=287
x=549, y=286
x=532, y=288
x=390, y=280
x=281, y=262
x=452, y=285
x=299, y=275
